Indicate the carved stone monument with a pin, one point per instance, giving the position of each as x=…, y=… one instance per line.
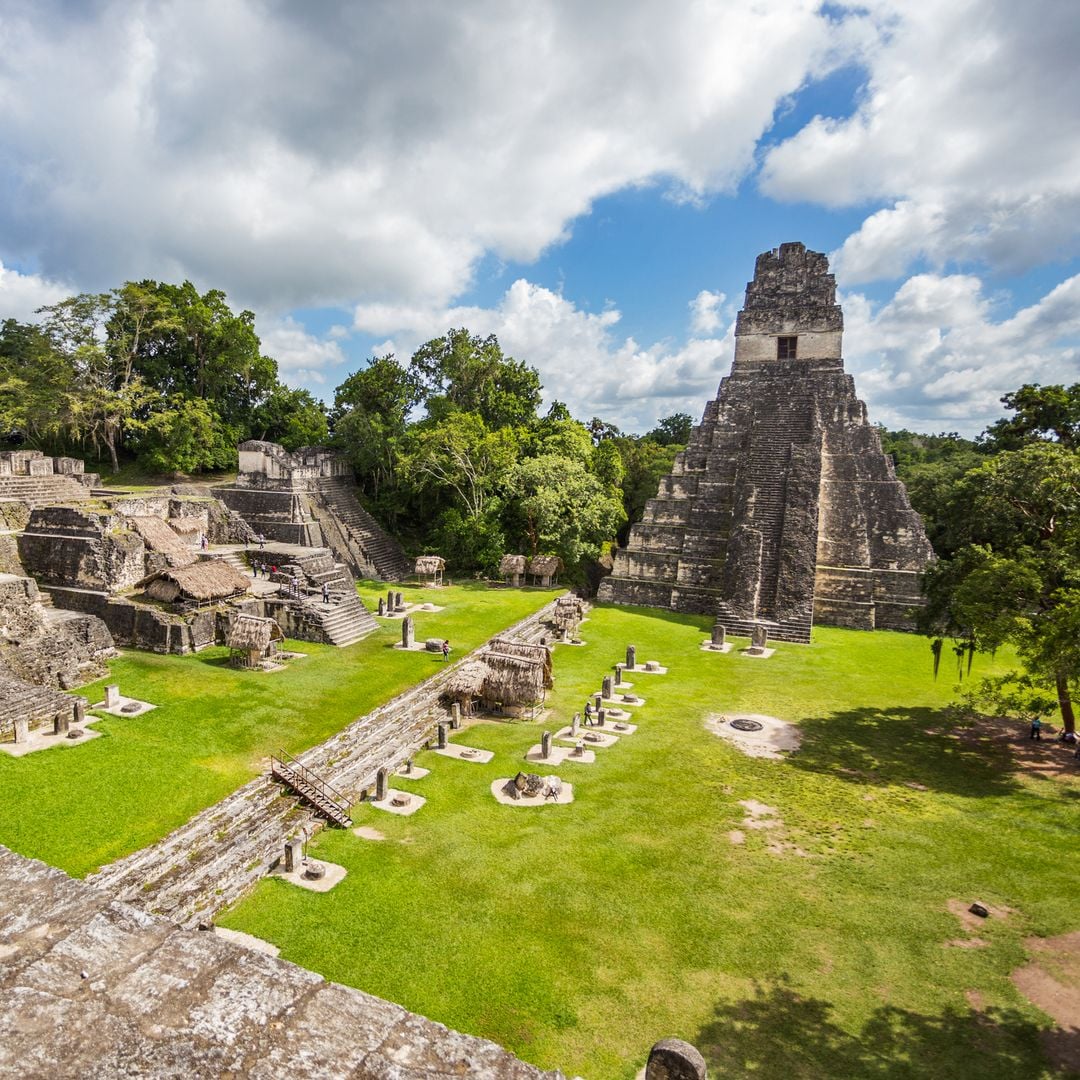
x=382, y=778
x=631, y=657
x=112, y=696
x=407, y=635
x=442, y=736
x=545, y=745
x=606, y=686
x=782, y=508
x=294, y=853
x=718, y=636
x=455, y=715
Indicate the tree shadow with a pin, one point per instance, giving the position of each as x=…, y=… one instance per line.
x=920, y=747
x=780, y=1034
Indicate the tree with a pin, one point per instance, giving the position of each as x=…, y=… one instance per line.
x=674, y=429
x=291, y=417
x=565, y=510
x=1016, y=578
x=474, y=376
x=1048, y=413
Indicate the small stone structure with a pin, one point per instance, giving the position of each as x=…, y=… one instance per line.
x=674, y=1059
x=782, y=508
x=569, y=612
x=407, y=632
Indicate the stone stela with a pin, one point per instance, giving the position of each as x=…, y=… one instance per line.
x=782, y=509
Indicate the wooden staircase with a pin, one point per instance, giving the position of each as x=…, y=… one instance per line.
x=312, y=789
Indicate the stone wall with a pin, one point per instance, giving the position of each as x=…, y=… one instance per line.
x=90, y=987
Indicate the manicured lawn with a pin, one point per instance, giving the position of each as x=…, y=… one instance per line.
x=578, y=935
x=81, y=806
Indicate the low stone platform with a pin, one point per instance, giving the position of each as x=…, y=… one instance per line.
x=590, y=736
x=415, y=774
x=46, y=739
x=559, y=755
x=392, y=804
x=752, y=653
x=708, y=646
x=91, y=987
x=125, y=707
x=566, y=795
x=332, y=875
x=465, y=753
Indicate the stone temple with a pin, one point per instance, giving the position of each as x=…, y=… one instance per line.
x=782, y=509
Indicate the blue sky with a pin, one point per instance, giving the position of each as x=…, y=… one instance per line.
x=591, y=183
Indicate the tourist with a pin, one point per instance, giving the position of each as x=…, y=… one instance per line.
x=445, y=650
x=588, y=713
x=1036, y=729
x=203, y=542
x=325, y=593
x=262, y=541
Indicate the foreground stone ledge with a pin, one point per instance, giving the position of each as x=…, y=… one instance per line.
x=92, y=987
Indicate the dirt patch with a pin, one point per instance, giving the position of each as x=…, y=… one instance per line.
x=969, y=920
x=967, y=943
x=737, y=836
x=975, y=1000
x=1051, y=981
x=1047, y=757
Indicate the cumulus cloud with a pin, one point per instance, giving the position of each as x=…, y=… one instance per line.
x=936, y=358
x=582, y=359
x=302, y=357
x=22, y=294
x=968, y=129
x=302, y=155
x=705, y=313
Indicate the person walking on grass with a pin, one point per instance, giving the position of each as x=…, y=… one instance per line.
x=1036, y=729
x=445, y=650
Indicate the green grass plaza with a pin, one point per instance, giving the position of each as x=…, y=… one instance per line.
x=793, y=917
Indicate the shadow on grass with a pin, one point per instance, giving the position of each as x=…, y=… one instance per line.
x=214, y=661
x=780, y=1034
x=919, y=747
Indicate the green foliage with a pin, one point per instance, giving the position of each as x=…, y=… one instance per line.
x=291, y=417
x=1042, y=413
x=187, y=437
x=565, y=510
x=672, y=429
x=1014, y=694
x=1015, y=574
x=472, y=374
x=470, y=544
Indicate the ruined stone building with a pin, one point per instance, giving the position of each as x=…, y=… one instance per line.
x=782, y=509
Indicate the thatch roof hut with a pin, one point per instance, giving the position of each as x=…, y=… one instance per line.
x=545, y=569
x=204, y=582
x=512, y=568
x=510, y=677
x=159, y=536
x=430, y=566
x=253, y=639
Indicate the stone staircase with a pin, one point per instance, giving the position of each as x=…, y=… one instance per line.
x=212, y=860
x=344, y=620
x=311, y=788
x=43, y=490
x=379, y=551
x=235, y=559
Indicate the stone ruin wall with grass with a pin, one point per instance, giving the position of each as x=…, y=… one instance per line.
x=90, y=986
x=782, y=509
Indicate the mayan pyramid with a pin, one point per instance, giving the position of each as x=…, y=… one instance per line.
x=782, y=509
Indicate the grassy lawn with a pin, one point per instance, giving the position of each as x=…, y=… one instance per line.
x=81, y=806
x=578, y=935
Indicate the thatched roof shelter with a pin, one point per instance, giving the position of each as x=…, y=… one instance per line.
x=205, y=582
x=546, y=567
x=509, y=674
x=512, y=564
x=159, y=536
x=253, y=632
x=430, y=566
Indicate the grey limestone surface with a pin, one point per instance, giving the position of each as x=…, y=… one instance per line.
x=93, y=988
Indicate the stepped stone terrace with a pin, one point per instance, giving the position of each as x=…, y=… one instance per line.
x=782, y=509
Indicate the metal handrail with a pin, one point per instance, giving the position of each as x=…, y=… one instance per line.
x=312, y=778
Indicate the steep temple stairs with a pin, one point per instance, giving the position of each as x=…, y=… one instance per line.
x=782, y=508
x=310, y=498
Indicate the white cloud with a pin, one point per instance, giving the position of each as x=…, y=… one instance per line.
x=935, y=358
x=22, y=294
x=968, y=129
x=302, y=357
x=302, y=156
x=580, y=355
x=705, y=311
